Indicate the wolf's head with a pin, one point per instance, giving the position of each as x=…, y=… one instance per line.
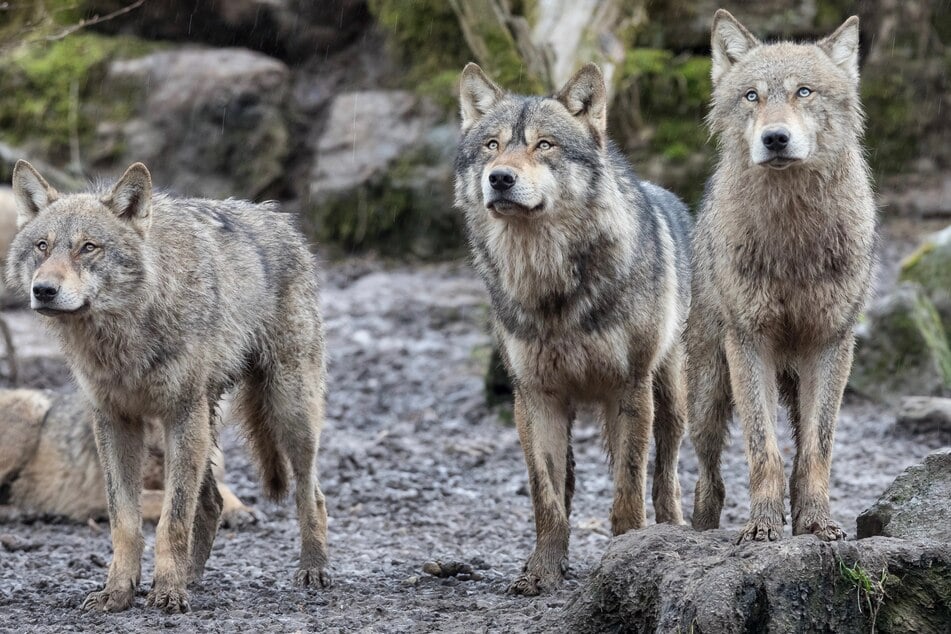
x=79, y=252
x=785, y=104
x=522, y=157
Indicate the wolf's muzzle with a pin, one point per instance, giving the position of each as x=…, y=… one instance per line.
x=44, y=291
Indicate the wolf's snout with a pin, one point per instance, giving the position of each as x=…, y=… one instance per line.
x=44, y=291
x=775, y=139
x=502, y=179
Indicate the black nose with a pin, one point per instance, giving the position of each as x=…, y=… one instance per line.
x=502, y=179
x=776, y=139
x=44, y=292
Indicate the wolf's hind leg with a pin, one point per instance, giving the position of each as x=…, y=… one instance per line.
x=822, y=379
x=543, y=423
x=708, y=383
x=670, y=420
x=205, y=527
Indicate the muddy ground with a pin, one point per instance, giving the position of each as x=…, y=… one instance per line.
x=415, y=468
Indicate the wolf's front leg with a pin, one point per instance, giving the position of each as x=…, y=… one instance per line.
x=822, y=379
x=628, y=422
x=120, y=444
x=187, y=443
x=753, y=377
x=543, y=423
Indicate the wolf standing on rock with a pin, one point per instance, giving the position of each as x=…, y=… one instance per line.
x=587, y=270
x=783, y=258
x=161, y=305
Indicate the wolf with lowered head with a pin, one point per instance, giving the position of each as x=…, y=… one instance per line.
x=783, y=259
x=161, y=305
x=587, y=272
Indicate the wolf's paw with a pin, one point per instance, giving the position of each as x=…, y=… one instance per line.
x=170, y=599
x=313, y=578
x=240, y=517
x=761, y=529
x=824, y=529
x=534, y=582
x=109, y=600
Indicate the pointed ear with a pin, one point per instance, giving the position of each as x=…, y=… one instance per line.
x=31, y=192
x=585, y=97
x=131, y=198
x=729, y=41
x=477, y=95
x=843, y=47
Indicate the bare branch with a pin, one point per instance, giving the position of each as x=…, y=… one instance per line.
x=96, y=20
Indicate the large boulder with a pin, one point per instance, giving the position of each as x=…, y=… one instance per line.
x=672, y=579
x=916, y=505
x=211, y=121
x=382, y=175
x=924, y=415
x=902, y=348
x=930, y=267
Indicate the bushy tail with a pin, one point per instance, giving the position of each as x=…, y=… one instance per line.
x=254, y=412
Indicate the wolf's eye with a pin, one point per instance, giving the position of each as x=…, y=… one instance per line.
x=492, y=145
x=42, y=246
x=544, y=145
x=89, y=247
x=752, y=96
x=804, y=91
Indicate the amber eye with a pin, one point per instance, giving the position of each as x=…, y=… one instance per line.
x=492, y=145
x=752, y=96
x=42, y=246
x=544, y=145
x=89, y=247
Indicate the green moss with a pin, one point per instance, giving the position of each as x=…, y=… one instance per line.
x=396, y=214
x=43, y=83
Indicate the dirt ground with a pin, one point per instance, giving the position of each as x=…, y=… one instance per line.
x=415, y=468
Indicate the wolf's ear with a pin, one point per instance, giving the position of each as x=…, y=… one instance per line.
x=31, y=192
x=131, y=198
x=586, y=97
x=843, y=47
x=477, y=95
x=729, y=41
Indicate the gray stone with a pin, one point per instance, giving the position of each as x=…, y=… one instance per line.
x=902, y=349
x=924, y=415
x=917, y=505
x=672, y=579
x=211, y=121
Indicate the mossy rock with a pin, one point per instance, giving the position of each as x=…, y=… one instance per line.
x=930, y=267
x=657, y=118
x=50, y=91
x=903, y=349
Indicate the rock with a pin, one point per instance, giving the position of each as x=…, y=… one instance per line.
x=668, y=578
x=902, y=349
x=288, y=29
x=382, y=176
x=924, y=415
x=210, y=121
x=930, y=267
x=916, y=505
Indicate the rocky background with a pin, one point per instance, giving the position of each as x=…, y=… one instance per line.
x=345, y=111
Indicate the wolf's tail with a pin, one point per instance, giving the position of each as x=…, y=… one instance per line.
x=255, y=411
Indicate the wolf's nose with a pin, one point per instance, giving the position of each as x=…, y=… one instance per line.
x=502, y=179
x=776, y=139
x=44, y=292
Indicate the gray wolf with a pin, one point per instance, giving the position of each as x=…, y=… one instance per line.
x=783, y=260
x=49, y=465
x=587, y=269
x=161, y=305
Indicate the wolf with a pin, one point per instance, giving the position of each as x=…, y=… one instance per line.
x=587, y=269
x=162, y=304
x=49, y=465
x=783, y=261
